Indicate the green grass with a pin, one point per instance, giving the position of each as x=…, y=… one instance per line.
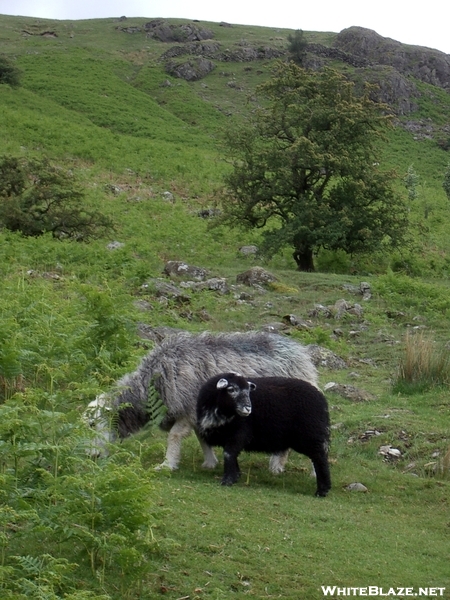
x=269, y=537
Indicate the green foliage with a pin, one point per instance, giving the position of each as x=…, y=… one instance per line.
x=337, y=261
x=37, y=197
x=297, y=47
x=304, y=169
x=109, y=333
x=444, y=143
x=446, y=182
x=101, y=514
x=405, y=292
x=9, y=73
x=411, y=181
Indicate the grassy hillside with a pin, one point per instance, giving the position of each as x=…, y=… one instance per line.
x=145, y=146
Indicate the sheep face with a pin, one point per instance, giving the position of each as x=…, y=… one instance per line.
x=237, y=395
x=98, y=417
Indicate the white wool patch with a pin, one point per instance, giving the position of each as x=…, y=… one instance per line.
x=97, y=416
x=213, y=419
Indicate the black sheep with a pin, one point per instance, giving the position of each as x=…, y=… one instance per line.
x=267, y=414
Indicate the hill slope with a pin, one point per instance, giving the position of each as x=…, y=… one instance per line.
x=135, y=109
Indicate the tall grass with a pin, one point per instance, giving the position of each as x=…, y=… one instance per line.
x=425, y=365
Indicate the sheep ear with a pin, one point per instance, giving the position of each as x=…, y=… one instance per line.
x=252, y=385
x=222, y=383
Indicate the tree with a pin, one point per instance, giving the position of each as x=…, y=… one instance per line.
x=9, y=73
x=37, y=196
x=297, y=46
x=304, y=169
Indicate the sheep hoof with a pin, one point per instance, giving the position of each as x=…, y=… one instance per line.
x=210, y=464
x=276, y=463
x=229, y=480
x=321, y=493
x=276, y=470
x=165, y=465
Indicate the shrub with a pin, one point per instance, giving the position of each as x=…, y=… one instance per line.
x=423, y=366
x=54, y=498
x=9, y=73
x=38, y=197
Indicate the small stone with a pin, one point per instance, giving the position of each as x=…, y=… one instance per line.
x=115, y=245
x=356, y=487
x=246, y=250
x=389, y=452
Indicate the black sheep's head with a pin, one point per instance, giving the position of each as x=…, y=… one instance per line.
x=237, y=390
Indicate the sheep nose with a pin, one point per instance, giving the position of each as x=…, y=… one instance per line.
x=245, y=410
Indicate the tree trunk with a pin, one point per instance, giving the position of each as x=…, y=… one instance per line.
x=304, y=259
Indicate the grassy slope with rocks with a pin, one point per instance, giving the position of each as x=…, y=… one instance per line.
x=95, y=99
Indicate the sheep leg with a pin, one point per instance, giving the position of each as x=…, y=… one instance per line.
x=277, y=462
x=177, y=433
x=210, y=461
x=231, y=470
x=322, y=468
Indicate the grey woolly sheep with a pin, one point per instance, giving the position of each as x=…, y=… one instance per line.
x=177, y=367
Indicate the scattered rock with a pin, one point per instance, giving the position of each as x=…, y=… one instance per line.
x=340, y=308
x=244, y=297
x=409, y=467
x=337, y=310
x=370, y=433
x=353, y=289
x=208, y=213
x=51, y=275
x=191, y=70
x=256, y=276
x=320, y=310
x=248, y=250
x=162, y=289
x=395, y=314
x=356, y=487
x=274, y=327
x=168, y=196
x=354, y=375
x=130, y=29
x=349, y=391
x=365, y=290
x=165, y=32
x=142, y=305
x=297, y=322
x=216, y=284
x=389, y=452
x=323, y=357
x=362, y=289
x=114, y=189
x=426, y=64
x=182, y=269
x=356, y=310
x=115, y=245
